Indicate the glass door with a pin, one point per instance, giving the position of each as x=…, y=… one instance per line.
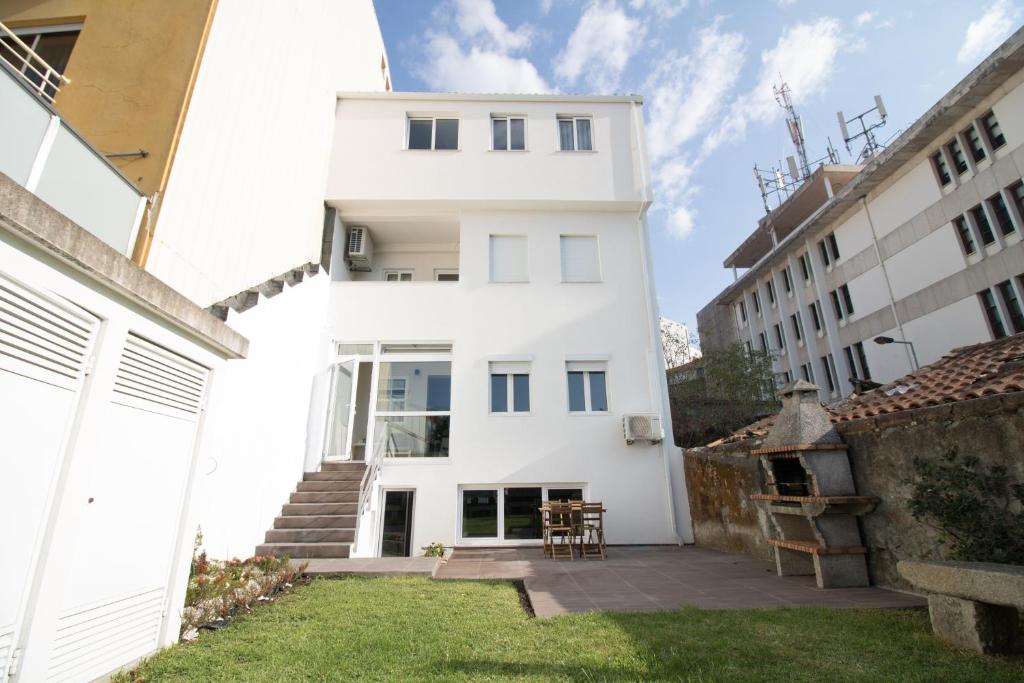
x=338, y=444
x=396, y=527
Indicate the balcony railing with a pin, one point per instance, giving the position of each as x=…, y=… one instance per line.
x=42, y=77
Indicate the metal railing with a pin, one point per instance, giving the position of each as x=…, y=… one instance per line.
x=42, y=77
x=384, y=447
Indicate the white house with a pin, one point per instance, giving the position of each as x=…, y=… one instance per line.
x=921, y=245
x=492, y=321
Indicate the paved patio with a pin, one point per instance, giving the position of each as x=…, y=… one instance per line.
x=649, y=578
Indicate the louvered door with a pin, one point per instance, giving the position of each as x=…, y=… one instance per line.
x=45, y=346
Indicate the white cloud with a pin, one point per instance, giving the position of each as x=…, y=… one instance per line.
x=545, y=6
x=664, y=9
x=986, y=32
x=864, y=18
x=600, y=47
x=478, y=56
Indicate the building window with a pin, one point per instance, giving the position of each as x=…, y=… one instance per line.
x=509, y=513
x=798, y=326
x=770, y=286
x=807, y=370
x=431, y=133
x=588, y=387
x=780, y=337
x=995, y=321
x=53, y=44
x=858, y=361
x=829, y=377
x=993, y=131
x=574, y=134
x=984, y=228
x=757, y=301
x=815, y=316
x=580, y=258
x=847, y=299
x=941, y=170
x=956, y=153
x=829, y=249
x=964, y=232
x=508, y=133
x=397, y=276
x=1001, y=213
x=842, y=302
x=446, y=275
x=508, y=258
x=1013, y=305
x=786, y=281
x=974, y=143
x=413, y=407
x=805, y=267
x=1017, y=192
x=741, y=308
x=749, y=347
x=763, y=339
x=510, y=387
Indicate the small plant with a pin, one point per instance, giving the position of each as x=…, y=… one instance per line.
x=977, y=510
x=433, y=550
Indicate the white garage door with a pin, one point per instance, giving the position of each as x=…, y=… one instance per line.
x=44, y=350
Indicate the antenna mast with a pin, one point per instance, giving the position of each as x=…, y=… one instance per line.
x=783, y=95
x=867, y=131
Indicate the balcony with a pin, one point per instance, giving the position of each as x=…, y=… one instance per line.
x=40, y=152
x=401, y=251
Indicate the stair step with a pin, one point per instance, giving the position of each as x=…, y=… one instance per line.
x=324, y=497
x=310, y=535
x=304, y=509
x=343, y=467
x=332, y=485
x=304, y=550
x=334, y=475
x=316, y=522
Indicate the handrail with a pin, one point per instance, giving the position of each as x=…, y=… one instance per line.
x=384, y=448
x=49, y=77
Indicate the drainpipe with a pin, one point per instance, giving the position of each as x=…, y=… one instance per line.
x=888, y=283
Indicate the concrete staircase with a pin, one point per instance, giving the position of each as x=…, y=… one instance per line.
x=319, y=519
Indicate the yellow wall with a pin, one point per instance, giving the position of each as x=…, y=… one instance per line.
x=131, y=72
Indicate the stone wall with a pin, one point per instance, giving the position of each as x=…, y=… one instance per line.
x=882, y=452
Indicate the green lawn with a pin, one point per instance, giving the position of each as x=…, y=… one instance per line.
x=419, y=629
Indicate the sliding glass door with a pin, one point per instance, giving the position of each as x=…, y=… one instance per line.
x=508, y=514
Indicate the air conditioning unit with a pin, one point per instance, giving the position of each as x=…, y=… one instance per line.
x=359, y=249
x=642, y=428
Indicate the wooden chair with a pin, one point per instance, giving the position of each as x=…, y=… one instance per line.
x=590, y=530
x=558, y=530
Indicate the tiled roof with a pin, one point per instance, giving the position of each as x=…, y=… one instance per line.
x=969, y=372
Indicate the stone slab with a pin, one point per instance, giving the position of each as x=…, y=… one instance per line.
x=996, y=584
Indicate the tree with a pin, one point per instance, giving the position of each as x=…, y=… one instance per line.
x=679, y=345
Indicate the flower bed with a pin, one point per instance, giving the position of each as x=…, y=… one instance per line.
x=220, y=590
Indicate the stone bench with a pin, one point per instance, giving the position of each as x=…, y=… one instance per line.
x=972, y=605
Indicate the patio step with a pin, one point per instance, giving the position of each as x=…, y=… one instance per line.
x=324, y=497
x=304, y=550
x=315, y=522
x=310, y=535
x=343, y=467
x=334, y=475
x=303, y=509
x=332, y=485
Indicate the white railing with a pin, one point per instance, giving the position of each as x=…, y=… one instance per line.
x=43, y=78
x=384, y=447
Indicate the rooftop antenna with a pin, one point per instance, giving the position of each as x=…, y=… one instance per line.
x=867, y=131
x=783, y=95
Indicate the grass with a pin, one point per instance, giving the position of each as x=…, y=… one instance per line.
x=419, y=629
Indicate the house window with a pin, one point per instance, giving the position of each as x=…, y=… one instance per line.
x=786, y=281
x=509, y=513
x=53, y=44
x=770, y=286
x=780, y=336
x=829, y=249
x=1001, y=213
x=574, y=134
x=842, y=302
x=807, y=370
x=397, y=276
x=805, y=267
x=510, y=387
x=974, y=143
x=480, y=513
x=446, y=275
x=995, y=320
x=1012, y=304
x=508, y=133
x=508, y=258
x=941, y=170
x=757, y=301
x=588, y=390
x=798, y=326
x=964, y=232
x=956, y=153
x=826, y=362
x=815, y=316
x=413, y=406
x=993, y=131
x=984, y=228
x=431, y=133
x=580, y=258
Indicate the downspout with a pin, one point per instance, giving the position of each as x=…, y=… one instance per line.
x=888, y=283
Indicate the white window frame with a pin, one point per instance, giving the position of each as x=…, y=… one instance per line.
x=507, y=118
x=399, y=272
x=575, y=132
x=587, y=367
x=509, y=369
x=500, y=539
x=409, y=118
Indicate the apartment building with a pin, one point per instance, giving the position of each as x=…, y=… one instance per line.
x=921, y=245
x=492, y=327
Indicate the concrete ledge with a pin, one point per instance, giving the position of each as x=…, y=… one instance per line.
x=996, y=584
x=32, y=220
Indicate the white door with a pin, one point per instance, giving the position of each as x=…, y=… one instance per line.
x=341, y=410
x=45, y=346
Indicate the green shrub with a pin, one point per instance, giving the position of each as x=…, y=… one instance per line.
x=979, y=512
x=433, y=550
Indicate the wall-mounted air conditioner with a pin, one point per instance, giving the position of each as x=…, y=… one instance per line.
x=642, y=428
x=359, y=248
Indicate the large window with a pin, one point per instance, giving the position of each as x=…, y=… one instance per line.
x=588, y=390
x=984, y=227
x=829, y=249
x=580, y=259
x=413, y=407
x=53, y=44
x=995, y=320
x=956, y=153
x=963, y=231
x=1001, y=213
x=508, y=262
x=842, y=302
x=509, y=513
x=974, y=143
x=574, y=134
x=993, y=130
x=510, y=387
x=508, y=133
x=433, y=133
x=941, y=170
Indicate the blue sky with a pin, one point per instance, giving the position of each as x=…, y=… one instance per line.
x=705, y=68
